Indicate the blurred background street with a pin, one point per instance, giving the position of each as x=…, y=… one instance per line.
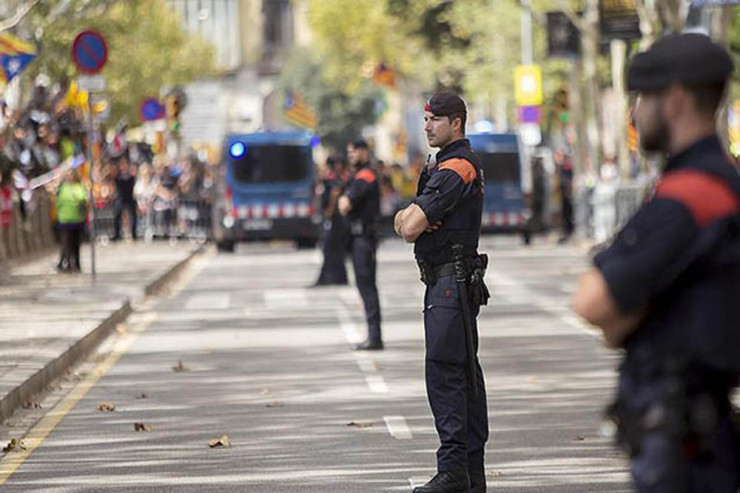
x=169, y=181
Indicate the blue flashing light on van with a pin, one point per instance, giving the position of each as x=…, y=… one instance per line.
x=237, y=150
x=505, y=173
x=267, y=191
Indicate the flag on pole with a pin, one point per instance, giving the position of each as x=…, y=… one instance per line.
x=15, y=55
x=384, y=76
x=298, y=112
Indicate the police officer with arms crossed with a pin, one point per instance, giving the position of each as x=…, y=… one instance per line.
x=361, y=205
x=667, y=290
x=444, y=223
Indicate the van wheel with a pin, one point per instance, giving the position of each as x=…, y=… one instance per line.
x=225, y=246
x=306, y=243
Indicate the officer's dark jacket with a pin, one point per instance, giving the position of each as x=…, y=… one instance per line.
x=364, y=194
x=332, y=181
x=451, y=192
x=679, y=257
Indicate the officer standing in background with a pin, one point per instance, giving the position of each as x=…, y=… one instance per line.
x=125, y=200
x=334, y=245
x=444, y=223
x=361, y=206
x=668, y=288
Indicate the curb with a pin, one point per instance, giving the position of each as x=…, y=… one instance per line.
x=160, y=284
x=82, y=348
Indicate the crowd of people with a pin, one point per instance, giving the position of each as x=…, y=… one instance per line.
x=44, y=149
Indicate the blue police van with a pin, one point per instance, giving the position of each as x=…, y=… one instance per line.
x=505, y=207
x=267, y=189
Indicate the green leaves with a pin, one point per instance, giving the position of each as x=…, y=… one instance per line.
x=147, y=44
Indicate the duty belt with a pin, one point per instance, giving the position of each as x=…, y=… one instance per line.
x=430, y=273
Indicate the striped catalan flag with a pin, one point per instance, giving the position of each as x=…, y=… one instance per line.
x=15, y=55
x=298, y=112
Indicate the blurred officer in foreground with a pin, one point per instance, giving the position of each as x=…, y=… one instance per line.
x=444, y=223
x=668, y=289
x=361, y=206
x=334, y=245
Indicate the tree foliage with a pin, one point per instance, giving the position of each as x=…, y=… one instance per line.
x=148, y=47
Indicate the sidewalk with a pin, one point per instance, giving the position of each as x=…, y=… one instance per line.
x=49, y=321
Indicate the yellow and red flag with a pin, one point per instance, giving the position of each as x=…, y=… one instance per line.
x=15, y=55
x=298, y=112
x=384, y=76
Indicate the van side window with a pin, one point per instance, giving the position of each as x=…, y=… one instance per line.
x=271, y=163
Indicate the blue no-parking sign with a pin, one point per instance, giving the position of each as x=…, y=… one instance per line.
x=90, y=52
x=151, y=109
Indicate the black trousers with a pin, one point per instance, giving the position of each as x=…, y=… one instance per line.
x=363, y=249
x=461, y=420
x=336, y=235
x=71, y=236
x=568, y=220
x=122, y=206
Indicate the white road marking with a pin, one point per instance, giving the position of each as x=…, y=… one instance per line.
x=374, y=380
x=349, y=328
x=209, y=301
x=285, y=298
x=517, y=290
x=376, y=384
x=398, y=428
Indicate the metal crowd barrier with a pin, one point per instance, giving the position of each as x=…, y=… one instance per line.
x=173, y=219
x=602, y=209
x=24, y=229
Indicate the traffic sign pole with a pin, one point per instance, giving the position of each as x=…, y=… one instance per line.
x=93, y=235
x=90, y=54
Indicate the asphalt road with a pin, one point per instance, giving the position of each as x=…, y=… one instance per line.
x=266, y=361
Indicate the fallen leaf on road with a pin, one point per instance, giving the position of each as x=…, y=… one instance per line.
x=495, y=474
x=141, y=396
x=220, y=442
x=105, y=407
x=275, y=404
x=142, y=427
x=265, y=391
x=180, y=367
x=31, y=405
x=360, y=424
x=121, y=329
x=580, y=439
x=15, y=445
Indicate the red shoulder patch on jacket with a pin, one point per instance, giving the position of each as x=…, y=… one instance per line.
x=366, y=175
x=462, y=167
x=706, y=197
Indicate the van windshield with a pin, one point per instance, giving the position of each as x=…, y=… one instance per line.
x=500, y=166
x=272, y=163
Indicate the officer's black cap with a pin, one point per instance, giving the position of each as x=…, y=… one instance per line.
x=690, y=59
x=445, y=104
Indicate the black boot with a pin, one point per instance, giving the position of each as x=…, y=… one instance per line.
x=447, y=482
x=478, y=480
x=477, y=472
x=368, y=345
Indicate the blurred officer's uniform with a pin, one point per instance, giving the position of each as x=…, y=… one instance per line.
x=450, y=195
x=363, y=195
x=333, y=270
x=675, y=268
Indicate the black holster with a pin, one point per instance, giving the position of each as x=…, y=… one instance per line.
x=479, y=293
x=426, y=272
